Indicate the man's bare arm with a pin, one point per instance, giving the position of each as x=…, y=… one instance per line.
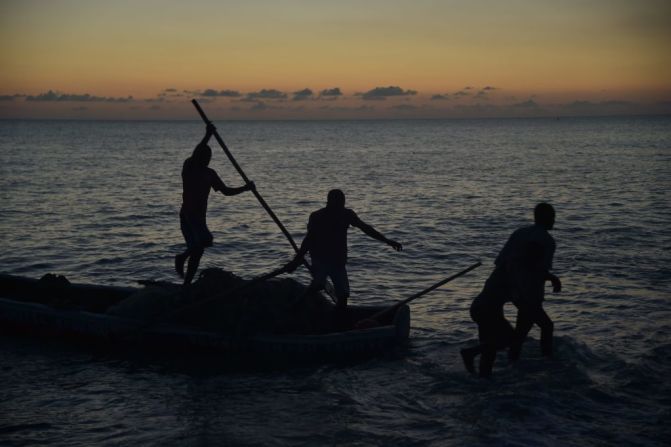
x=556, y=283
x=372, y=232
x=235, y=191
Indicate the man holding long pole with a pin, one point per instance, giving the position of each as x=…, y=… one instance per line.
x=197, y=180
x=244, y=177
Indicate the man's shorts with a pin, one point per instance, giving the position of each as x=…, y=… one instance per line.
x=493, y=328
x=338, y=275
x=195, y=231
x=487, y=311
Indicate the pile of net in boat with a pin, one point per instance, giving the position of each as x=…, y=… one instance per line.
x=275, y=306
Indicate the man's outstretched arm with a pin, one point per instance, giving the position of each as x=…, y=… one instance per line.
x=372, y=232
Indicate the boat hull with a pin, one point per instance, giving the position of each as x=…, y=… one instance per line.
x=20, y=316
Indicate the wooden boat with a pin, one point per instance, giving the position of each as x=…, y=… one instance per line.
x=76, y=312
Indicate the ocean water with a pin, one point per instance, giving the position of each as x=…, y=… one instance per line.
x=99, y=201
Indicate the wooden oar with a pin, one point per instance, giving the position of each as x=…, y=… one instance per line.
x=229, y=292
x=256, y=193
x=373, y=321
x=244, y=177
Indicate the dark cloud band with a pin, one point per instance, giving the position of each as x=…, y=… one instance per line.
x=302, y=95
x=73, y=97
x=382, y=93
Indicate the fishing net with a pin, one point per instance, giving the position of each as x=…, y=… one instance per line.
x=275, y=306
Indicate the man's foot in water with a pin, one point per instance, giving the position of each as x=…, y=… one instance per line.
x=180, y=259
x=468, y=357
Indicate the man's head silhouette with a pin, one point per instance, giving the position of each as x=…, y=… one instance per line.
x=335, y=199
x=202, y=155
x=544, y=214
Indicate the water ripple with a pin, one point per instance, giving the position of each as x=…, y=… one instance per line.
x=450, y=191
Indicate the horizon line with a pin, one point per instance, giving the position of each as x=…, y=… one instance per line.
x=454, y=118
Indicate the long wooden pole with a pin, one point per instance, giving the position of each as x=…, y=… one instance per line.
x=256, y=193
x=384, y=312
x=244, y=177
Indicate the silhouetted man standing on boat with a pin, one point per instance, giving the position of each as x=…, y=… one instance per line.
x=197, y=180
x=326, y=241
x=522, y=267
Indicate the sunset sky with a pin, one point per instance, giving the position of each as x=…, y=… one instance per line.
x=294, y=59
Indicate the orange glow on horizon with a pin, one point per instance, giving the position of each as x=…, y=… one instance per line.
x=596, y=51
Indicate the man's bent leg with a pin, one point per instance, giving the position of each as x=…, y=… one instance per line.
x=523, y=325
x=547, y=328
x=340, y=285
x=487, y=360
x=180, y=259
x=317, y=284
x=338, y=275
x=468, y=356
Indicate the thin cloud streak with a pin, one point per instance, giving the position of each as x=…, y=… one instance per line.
x=271, y=94
x=470, y=101
x=331, y=93
x=382, y=93
x=74, y=97
x=302, y=95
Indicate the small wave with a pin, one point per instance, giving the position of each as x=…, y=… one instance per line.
x=32, y=267
x=7, y=429
x=106, y=261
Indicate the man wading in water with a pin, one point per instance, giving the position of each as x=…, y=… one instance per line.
x=537, y=246
x=326, y=241
x=197, y=180
x=522, y=267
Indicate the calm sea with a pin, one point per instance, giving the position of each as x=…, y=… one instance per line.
x=98, y=202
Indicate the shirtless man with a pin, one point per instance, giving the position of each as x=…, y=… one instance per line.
x=197, y=180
